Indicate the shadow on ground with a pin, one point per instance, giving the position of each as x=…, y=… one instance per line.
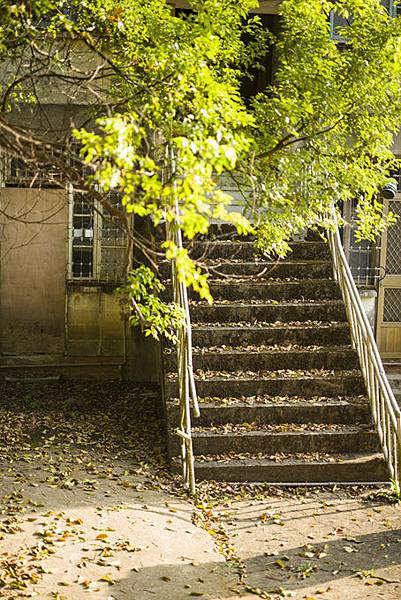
x=88, y=509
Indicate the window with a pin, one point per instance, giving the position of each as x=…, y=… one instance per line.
x=338, y=23
x=394, y=8
x=397, y=176
x=15, y=172
x=97, y=243
x=84, y=223
x=363, y=257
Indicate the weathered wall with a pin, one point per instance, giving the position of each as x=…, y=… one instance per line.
x=32, y=271
x=95, y=326
x=80, y=62
x=369, y=303
x=143, y=357
x=94, y=323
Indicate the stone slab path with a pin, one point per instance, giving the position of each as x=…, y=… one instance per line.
x=330, y=545
x=89, y=510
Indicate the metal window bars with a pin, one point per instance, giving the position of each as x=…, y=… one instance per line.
x=17, y=172
x=385, y=409
x=362, y=256
x=97, y=245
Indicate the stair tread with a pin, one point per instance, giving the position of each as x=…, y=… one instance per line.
x=246, y=325
x=265, y=350
x=252, y=242
x=281, y=429
x=272, y=281
x=266, y=401
x=262, y=261
x=281, y=458
x=281, y=374
x=364, y=468
x=251, y=303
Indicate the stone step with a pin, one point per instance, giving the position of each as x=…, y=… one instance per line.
x=63, y=370
x=336, y=439
x=329, y=411
x=229, y=231
x=327, y=310
x=32, y=379
x=393, y=378
x=223, y=231
x=330, y=385
x=251, y=360
x=311, y=269
x=245, y=250
x=313, y=289
x=363, y=468
x=328, y=334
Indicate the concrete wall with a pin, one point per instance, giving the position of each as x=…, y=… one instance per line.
x=32, y=270
x=94, y=323
x=80, y=63
x=369, y=303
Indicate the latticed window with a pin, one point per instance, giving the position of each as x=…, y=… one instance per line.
x=363, y=257
x=84, y=224
x=392, y=305
x=15, y=172
x=97, y=242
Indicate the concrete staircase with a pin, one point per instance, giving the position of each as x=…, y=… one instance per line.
x=281, y=394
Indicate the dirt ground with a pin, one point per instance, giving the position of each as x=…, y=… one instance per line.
x=89, y=510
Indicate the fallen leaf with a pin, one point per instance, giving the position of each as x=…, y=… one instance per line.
x=107, y=579
x=350, y=549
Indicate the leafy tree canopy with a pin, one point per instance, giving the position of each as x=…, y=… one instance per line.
x=327, y=123
x=166, y=116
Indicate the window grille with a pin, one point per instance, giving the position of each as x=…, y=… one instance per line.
x=97, y=243
x=392, y=305
x=15, y=172
x=337, y=24
x=397, y=176
x=363, y=257
x=84, y=223
x=394, y=8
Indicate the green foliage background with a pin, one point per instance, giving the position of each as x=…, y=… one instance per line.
x=319, y=135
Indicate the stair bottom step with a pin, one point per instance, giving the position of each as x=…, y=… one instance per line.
x=366, y=469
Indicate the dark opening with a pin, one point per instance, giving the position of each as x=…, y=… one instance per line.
x=260, y=77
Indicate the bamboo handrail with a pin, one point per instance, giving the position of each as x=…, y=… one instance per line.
x=385, y=409
x=185, y=372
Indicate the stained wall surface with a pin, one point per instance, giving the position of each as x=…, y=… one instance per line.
x=33, y=259
x=94, y=322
